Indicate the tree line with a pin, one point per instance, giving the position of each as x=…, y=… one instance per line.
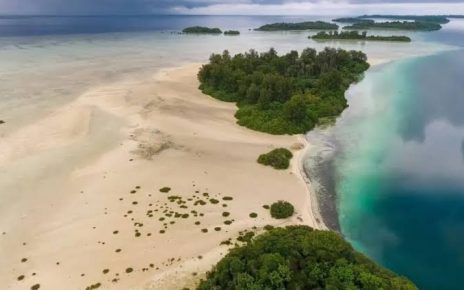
x=285, y=94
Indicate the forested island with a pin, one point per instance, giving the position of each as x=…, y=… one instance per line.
x=232, y=32
x=286, y=94
x=298, y=257
x=352, y=20
x=355, y=35
x=202, y=30
x=399, y=25
x=423, y=18
x=308, y=25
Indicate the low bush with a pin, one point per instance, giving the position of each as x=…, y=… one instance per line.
x=278, y=158
x=282, y=210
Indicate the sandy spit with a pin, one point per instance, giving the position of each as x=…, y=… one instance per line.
x=81, y=203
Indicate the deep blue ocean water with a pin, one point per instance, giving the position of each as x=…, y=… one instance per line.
x=401, y=184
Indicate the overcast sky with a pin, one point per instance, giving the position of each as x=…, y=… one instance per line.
x=274, y=7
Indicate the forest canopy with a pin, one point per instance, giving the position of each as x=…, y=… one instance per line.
x=285, y=94
x=355, y=35
x=352, y=20
x=201, y=30
x=298, y=257
x=298, y=26
x=441, y=19
x=399, y=25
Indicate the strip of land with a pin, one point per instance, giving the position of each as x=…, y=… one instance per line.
x=84, y=205
x=355, y=35
x=308, y=25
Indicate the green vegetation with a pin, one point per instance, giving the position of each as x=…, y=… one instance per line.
x=298, y=26
x=253, y=215
x=282, y=210
x=278, y=158
x=426, y=18
x=399, y=25
x=232, y=32
x=165, y=189
x=129, y=270
x=202, y=30
x=352, y=20
x=299, y=257
x=355, y=35
x=283, y=94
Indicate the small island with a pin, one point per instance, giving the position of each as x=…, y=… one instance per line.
x=352, y=20
x=355, y=35
x=308, y=25
x=398, y=25
x=232, y=32
x=201, y=30
x=425, y=18
x=286, y=94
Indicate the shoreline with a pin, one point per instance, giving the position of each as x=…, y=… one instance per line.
x=314, y=200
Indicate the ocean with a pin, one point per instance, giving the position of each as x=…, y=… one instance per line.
x=396, y=166
x=390, y=171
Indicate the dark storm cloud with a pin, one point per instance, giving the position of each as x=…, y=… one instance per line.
x=153, y=6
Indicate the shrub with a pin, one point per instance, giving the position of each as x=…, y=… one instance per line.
x=278, y=158
x=253, y=215
x=282, y=210
x=214, y=201
x=165, y=189
x=299, y=257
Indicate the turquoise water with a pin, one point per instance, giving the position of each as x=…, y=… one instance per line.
x=400, y=169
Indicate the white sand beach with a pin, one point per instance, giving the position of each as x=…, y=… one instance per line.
x=81, y=200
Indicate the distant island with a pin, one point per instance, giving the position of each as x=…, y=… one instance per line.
x=352, y=20
x=308, y=25
x=202, y=30
x=355, y=35
x=232, y=32
x=423, y=18
x=399, y=25
x=286, y=94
